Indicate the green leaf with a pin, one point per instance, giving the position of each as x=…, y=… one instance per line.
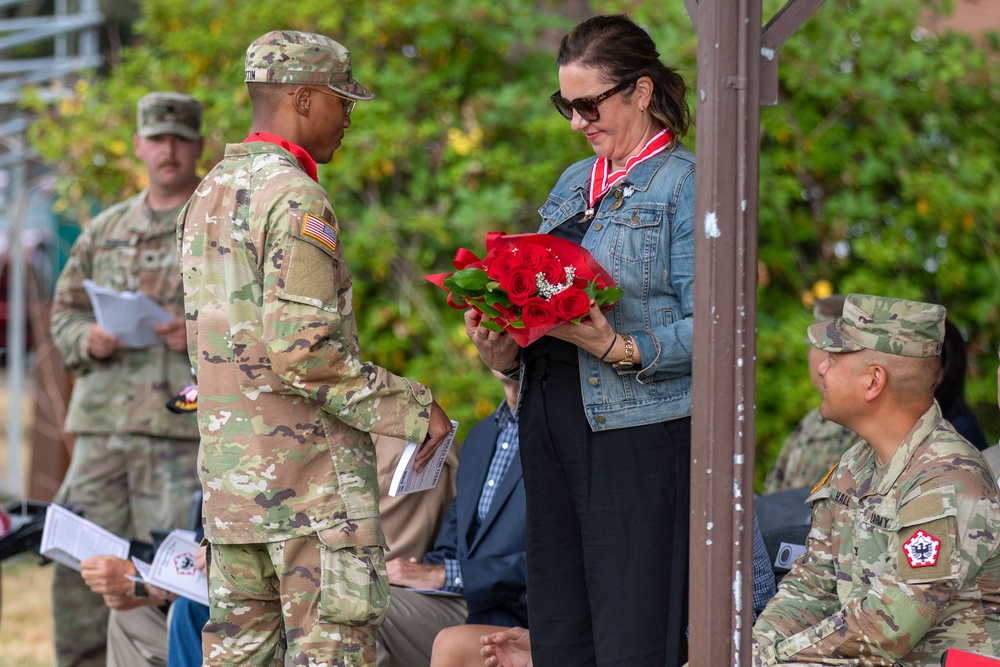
x=497, y=297
x=468, y=282
x=608, y=296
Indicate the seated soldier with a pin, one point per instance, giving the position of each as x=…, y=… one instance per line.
x=903, y=559
x=138, y=628
x=137, y=623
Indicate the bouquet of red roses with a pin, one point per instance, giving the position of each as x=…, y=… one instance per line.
x=527, y=284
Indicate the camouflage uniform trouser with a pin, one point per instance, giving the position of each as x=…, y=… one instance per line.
x=128, y=484
x=313, y=597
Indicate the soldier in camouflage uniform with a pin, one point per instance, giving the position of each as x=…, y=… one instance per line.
x=903, y=559
x=286, y=405
x=816, y=444
x=134, y=463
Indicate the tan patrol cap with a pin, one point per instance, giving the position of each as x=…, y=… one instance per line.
x=287, y=56
x=169, y=113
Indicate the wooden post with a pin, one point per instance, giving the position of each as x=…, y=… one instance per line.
x=728, y=97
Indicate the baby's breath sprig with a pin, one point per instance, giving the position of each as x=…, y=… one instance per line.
x=547, y=290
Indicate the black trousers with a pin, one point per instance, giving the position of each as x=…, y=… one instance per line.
x=607, y=531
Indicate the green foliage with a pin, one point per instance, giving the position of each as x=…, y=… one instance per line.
x=462, y=140
x=878, y=168
x=878, y=175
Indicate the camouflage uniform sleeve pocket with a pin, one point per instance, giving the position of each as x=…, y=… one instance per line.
x=925, y=549
x=355, y=583
x=310, y=263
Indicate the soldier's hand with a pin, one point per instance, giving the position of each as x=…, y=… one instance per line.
x=100, y=343
x=174, y=334
x=106, y=575
x=438, y=428
x=410, y=573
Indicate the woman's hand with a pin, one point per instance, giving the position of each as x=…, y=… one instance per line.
x=594, y=334
x=498, y=350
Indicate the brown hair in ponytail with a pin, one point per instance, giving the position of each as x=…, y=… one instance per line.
x=623, y=51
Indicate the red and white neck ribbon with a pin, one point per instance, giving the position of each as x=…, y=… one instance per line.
x=602, y=178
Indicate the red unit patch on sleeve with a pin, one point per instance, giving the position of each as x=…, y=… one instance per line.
x=922, y=549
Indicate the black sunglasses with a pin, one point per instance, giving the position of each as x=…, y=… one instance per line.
x=585, y=106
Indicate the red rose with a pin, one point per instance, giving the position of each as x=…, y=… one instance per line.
x=537, y=312
x=532, y=256
x=570, y=303
x=552, y=270
x=519, y=285
x=501, y=264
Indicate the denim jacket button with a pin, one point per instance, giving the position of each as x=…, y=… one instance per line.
x=635, y=217
x=601, y=419
x=593, y=382
x=598, y=226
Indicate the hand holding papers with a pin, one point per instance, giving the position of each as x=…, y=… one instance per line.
x=407, y=480
x=173, y=568
x=129, y=316
x=68, y=538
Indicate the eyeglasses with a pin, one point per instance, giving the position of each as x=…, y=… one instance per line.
x=585, y=106
x=348, y=104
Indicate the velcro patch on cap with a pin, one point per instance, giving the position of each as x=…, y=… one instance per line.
x=315, y=227
x=922, y=549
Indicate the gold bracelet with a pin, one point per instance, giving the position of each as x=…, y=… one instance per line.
x=627, y=360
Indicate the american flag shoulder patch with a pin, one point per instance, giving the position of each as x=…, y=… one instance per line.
x=317, y=228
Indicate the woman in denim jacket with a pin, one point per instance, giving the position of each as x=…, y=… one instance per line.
x=605, y=410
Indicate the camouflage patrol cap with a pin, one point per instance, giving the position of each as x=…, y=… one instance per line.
x=894, y=326
x=287, y=56
x=828, y=308
x=169, y=113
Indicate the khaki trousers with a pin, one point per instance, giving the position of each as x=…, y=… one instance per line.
x=137, y=638
x=406, y=636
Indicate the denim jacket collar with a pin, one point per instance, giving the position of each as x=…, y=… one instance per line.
x=639, y=179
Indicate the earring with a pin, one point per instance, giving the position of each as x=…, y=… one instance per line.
x=642, y=109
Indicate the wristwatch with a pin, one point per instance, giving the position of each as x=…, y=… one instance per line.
x=139, y=592
x=626, y=361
